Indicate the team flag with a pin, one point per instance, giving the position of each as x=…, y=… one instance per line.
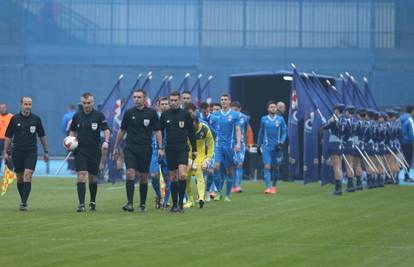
x=8, y=179
x=164, y=90
x=129, y=102
x=196, y=91
x=184, y=86
x=306, y=105
x=347, y=98
x=112, y=103
x=111, y=108
x=369, y=97
x=358, y=98
x=146, y=86
x=324, y=100
x=293, y=134
x=205, y=91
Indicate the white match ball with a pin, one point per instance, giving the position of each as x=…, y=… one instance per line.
x=70, y=143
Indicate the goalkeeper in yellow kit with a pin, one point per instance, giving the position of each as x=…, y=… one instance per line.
x=205, y=149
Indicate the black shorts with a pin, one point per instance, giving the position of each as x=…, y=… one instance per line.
x=138, y=158
x=175, y=157
x=24, y=160
x=87, y=159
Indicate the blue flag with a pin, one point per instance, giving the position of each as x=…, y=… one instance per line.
x=359, y=100
x=305, y=104
x=334, y=94
x=369, y=97
x=306, y=108
x=146, y=86
x=320, y=96
x=129, y=102
x=325, y=103
x=184, y=86
x=316, y=126
x=112, y=104
x=293, y=135
x=111, y=108
x=163, y=90
x=347, y=93
x=330, y=95
x=308, y=149
x=312, y=127
x=168, y=88
x=205, y=91
x=196, y=91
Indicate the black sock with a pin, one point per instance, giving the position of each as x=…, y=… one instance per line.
x=81, y=192
x=130, y=188
x=143, y=189
x=350, y=182
x=338, y=185
x=93, y=189
x=20, y=189
x=26, y=188
x=174, y=193
x=182, y=184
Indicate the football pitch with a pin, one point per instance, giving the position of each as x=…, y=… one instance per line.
x=300, y=226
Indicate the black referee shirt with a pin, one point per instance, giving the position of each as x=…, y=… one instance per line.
x=88, y=128
x=178, y=126
x=139, y=126
x=23, y=130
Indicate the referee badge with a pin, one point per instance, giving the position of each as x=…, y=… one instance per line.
x=146, y=122
x=94, y=126
x=181, y=124
x=32, y=129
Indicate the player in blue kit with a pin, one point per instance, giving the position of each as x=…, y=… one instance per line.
x=160, y=165
x=272, y=135
x=244, y=126
x=155, y=173
x=226, y=125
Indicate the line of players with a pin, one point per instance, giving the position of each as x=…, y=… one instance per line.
x=365, y=139
x=217, y=130
x=362, y=139
x=156, y=141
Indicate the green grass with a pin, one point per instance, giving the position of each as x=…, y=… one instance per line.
x=301, y=226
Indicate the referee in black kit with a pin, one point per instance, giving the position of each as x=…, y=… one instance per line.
x=139, y=123
x=22, y=130
x=86, y=126
x=179, y=128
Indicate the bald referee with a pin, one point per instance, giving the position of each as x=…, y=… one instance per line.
x=22, y=130
x=87, y=125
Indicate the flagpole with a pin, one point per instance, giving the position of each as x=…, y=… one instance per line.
x=120, y=77
x=63, y=162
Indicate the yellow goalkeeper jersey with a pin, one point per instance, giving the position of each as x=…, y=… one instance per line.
x=205, y=143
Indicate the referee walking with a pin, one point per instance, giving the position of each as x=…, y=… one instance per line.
x=179, y=128
x=138, y=123
x=86, y=126
x=22, y=130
